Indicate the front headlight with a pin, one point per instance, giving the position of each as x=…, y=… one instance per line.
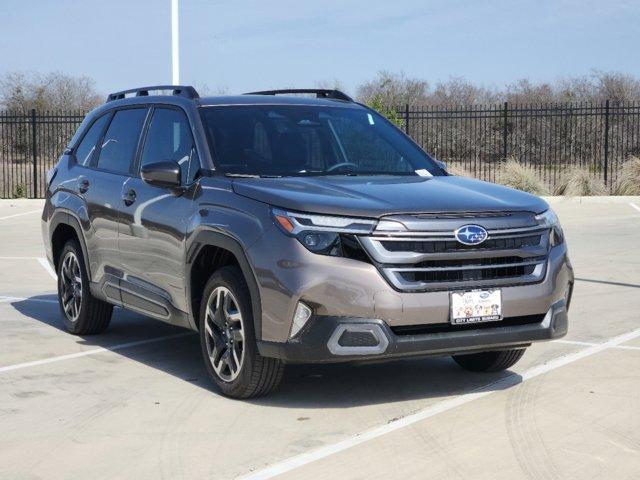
x=322, y=234
x=550, y=220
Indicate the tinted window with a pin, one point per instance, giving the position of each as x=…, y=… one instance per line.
x=87, y=146
x=120, y=141
x=169, y=138
x=310, y=140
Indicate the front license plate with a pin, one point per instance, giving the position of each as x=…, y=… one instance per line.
x=476, y=306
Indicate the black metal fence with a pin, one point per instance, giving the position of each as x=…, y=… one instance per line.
x=30, y=144
x=550, y=138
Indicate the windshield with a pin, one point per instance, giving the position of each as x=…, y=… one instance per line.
x=286, y=140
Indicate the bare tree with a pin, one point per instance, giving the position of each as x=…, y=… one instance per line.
x=21, y=91
x=458, y=91
x=392, y=90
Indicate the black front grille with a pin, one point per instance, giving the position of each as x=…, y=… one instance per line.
x=469, y=275
x=449, y=328
x=443, y=246
x=474, y=262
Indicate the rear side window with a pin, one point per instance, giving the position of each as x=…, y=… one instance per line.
x=87, y=146
x=121, y=140
x=169, y=139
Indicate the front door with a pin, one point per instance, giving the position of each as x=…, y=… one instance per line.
x=154, y=220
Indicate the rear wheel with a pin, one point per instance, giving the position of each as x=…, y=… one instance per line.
x=82, y=313
x=489, y=361
x=228, y=339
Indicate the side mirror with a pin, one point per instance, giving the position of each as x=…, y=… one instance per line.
x=161, y=174
x=441, y=164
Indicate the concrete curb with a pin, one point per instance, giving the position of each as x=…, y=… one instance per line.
x=598, y=199
x=21, y=202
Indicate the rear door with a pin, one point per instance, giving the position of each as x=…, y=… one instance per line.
x=154, y=220
x=110, y=165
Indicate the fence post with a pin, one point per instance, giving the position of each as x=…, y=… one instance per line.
x=34, y=152
x=505, y=131
x=606, y=140
x=406, y=118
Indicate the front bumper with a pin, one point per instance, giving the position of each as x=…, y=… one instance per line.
x=339, y=288
x=316, y=343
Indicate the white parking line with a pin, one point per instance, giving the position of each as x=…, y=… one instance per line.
x=20, y=214
x=41, y=260
x=4, y=299
x=45, y=264
x=70, y=356
x=633, y=205
x=441, y=407
x=574, y=342
x=587, y=344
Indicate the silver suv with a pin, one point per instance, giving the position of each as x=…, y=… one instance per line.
x=288, y=228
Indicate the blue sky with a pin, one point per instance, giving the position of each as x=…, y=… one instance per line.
x=247, y=45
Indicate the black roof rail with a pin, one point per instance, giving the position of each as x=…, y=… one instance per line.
x=319, y=92
x=182, y=90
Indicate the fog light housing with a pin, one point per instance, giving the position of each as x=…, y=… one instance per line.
x=300, y=318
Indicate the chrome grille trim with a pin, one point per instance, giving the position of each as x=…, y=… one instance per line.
x=376, y=249
x=449, y=235
x=398, y=265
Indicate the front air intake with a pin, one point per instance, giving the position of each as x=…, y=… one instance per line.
x=358, y=339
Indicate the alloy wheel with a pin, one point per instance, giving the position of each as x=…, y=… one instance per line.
x=71, y=286
x=224, y=334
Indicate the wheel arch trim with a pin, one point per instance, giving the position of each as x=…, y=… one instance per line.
x=207, y=237
x=62, y=217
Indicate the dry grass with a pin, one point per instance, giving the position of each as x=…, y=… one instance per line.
x=579, y=182
x=629, y=178
x=459, y=170
x=521, y=177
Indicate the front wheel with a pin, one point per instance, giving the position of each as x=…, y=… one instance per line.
x=228, y=339
x=489, y=361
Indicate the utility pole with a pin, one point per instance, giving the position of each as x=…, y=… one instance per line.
x=175, y=43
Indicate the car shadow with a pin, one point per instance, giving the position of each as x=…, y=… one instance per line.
x=303, y=386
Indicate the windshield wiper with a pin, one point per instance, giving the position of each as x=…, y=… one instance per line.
x=250, y=175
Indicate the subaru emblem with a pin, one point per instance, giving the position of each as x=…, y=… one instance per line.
x=471, y=234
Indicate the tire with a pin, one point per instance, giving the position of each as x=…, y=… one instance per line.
x=489, y=361
x=227, y=338
x=84, y=314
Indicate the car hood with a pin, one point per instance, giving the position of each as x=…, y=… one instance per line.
x=376, y=196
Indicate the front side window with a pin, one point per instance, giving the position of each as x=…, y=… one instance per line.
x=169, y=139
x=285, y=140
x=84, y=151
x=121, y=140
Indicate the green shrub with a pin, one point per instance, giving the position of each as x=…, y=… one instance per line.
x=579, y=182
x=21, y=191
x=629, y=178
x=521, y=177
x=379, y=106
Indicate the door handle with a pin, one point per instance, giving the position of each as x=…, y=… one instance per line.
x=129, y=197
x=83, y=185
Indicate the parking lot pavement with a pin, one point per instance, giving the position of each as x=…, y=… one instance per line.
x=135, y=402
